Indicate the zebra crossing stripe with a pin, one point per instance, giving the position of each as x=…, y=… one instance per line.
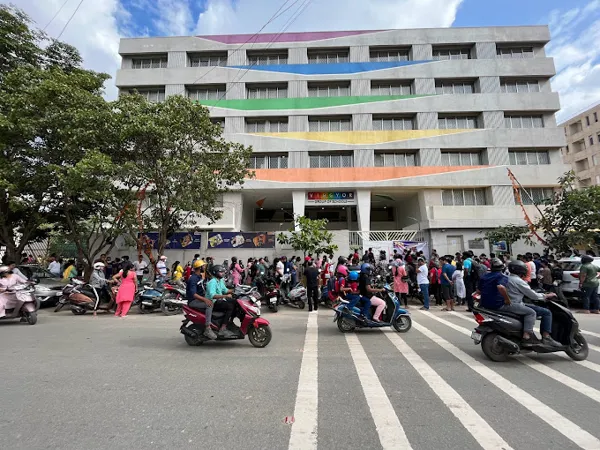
x=471, y=420
x=390, y=431
x=591, y=334
x=563, y=425
x=303, y=435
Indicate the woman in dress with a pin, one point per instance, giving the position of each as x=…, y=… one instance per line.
x=236, y=271
x=127, y=289
x=70, y=271
x=459, y=285
x=400, y=286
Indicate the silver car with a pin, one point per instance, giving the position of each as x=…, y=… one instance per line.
x=570, y=282
x=48, y=288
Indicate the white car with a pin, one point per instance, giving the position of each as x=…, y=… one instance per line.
x=570, y=282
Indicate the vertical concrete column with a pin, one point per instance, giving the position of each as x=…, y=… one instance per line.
x=127, y=62
x=363, y=209
x=235, y=125
x=298, y=123
x=427, y=121
x=364, y=157
x=237, y=58
x=297, y=89
x=174, y=89
x=359, y=53
x=298, y=160
x=360, y=87
x=430, y=157
x=549, y=120
x=492, y=119
x=299, y=200
x=362, y=122
x=485, y=50
x=298, y=55
x=423, y=86
x=496, y=156
x=502, y=195
x=422, y=52
x=177, y=59
x=235, y=91
x=488, y=85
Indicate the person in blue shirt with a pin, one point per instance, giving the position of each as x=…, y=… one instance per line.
x=219, y=299
x=446, y=282
x=492, y=287
x=196, y=295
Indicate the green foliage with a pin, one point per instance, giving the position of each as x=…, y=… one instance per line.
x=180, y=154
x=309, y=236
x=571, y=218
x=508, y=233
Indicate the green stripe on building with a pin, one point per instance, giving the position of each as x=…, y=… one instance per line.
x=301, y=103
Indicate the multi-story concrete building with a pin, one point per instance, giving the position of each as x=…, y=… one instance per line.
x=582, y=151
x=373, y=130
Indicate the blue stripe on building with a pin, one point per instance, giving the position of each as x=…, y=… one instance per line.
x=331, y=69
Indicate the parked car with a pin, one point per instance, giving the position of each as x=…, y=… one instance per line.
x=570, y=282
x=48, y=288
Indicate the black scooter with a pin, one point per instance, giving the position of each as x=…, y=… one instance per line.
x=500, y=333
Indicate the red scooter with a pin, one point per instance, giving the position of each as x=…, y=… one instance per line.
x=248, y=312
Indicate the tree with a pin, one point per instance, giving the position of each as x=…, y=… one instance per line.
x=309, y=236
x=508, y=233
x=571, y=217
x=182, y=159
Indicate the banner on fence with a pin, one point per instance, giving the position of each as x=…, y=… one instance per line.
x=177, y=241
x=389, y=246
x=241, y=240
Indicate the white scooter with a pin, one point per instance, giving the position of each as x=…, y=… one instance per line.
x=22, y=305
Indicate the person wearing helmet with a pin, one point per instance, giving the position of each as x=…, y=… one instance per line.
x=196, y=295
x=492, y=287
x=219, y=299
x=518, y=288
x=7, y=281
x=98, y=279
x=365, y=289
x=588, y=284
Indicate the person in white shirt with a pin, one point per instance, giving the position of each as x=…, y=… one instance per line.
x=54, y=267
x=161, y=266
x=140, y=265
x=423, y=282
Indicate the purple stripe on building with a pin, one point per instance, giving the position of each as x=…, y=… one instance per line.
x=283, y=37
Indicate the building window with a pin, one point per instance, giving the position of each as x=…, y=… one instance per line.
x=386, y=123
x=267, y=58
x=595, y=117
x=329, y=89
x=218, y=121
x=330, y=124
x=328, y=56
x=591, y=138
x=208, y=59
x=395, y=159
x=389, y=54
x=587, y=120
x=391, y=88
x=595, y=160
x=266, y=125
x=329, y=160
x=581, y=165
x=154, y=62
x=450, y=53
x=598, y=180
x=152, y=95
x=463, y=197
x=512, y=87
x=457, y=122
x=528, y=158
x=264, y=92
x=461, y=158
x=524, y=121
x=530, y=196
x=515, y=52
x=454, y=87
x=216, y=92
x=268, y=162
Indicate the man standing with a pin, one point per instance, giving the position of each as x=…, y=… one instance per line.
x=423, y=282
x=312, y=285
x=588, y=284
x=161, y=268
x=140, y=266
x=446, y=281
x=54, y=266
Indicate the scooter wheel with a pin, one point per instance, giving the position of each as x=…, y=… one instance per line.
x=346, y=325
x=59, y=306
x=492, y=349
x=261, y=336
x=402, y=324
x=145, y=309
x=169, y=309
x=194, y=342
x=275, y=307
x=78, y=311
x=31, y=318
x=300, y=304
x=580, y=351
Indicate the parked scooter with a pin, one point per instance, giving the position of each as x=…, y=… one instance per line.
x=173, y=299
x=248, y=313
x=82, y=297
x=269, y=292
x=500, y=333
x=394, y=316
x=149, y=297
x=22, y=305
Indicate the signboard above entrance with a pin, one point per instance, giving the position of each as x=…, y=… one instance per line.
x=330, y=198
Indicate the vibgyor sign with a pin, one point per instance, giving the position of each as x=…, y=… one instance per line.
x=331, y=198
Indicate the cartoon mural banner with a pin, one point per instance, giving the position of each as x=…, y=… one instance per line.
x=177, y=241
x=241, y=240
x=400, y=246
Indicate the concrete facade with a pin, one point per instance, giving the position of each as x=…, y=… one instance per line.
x=582, y=151
x=398, y=118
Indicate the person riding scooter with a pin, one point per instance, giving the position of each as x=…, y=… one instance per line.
x=366, y=290
x=518, y=288
x=7, y=281
x=219, y=299
x=196, y=296
x=99, y=282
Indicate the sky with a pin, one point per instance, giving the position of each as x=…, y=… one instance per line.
x=97, y=26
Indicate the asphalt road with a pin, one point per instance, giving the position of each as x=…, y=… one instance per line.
x=79, y=382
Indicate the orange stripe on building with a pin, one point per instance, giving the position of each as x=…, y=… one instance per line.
x=352, y=173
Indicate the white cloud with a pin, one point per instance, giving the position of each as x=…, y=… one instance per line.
x=575, y=34
x=175, y=17
x=248, y=16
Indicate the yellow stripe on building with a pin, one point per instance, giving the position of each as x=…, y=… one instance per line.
x=362, y=137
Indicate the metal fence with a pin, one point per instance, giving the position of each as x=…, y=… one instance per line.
x=358, y=237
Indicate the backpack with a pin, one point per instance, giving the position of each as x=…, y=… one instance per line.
x=557, y=273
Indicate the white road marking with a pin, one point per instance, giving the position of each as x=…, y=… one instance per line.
x=590, y=346
x=563, y=425
x=471, y=420
x=303, y=435
x=591, y=333
x=390, y=431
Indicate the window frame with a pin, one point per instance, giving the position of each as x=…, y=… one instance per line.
x=392, y=54
x=397, y=159
x=219, y=91
x=210, y=58
x=268, y=159
x=518, y=86
x=163, y=62
x=264, y=91
x=478, y=195
x=455, y=120
x=542, y=157
x=329, y=160
x=525, y=199
x=519, y=119
x=402, y=88
x=282, y=58
x=338, y=89
x=515, y=52
x=404, y=123
x=146, y=92
x=268, y=123
x=454, y=87
x=446, y=53
x=452, y=158
x=332, y=56
x=342, y=122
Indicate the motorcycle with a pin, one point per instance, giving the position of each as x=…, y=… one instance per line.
x=246, y=310
x=22, y=305
x=173, y=299
x=297, y=297
x=268, y=290
x=83, y=297
x=500, y=333
x=394, y=315
x=149, y=298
